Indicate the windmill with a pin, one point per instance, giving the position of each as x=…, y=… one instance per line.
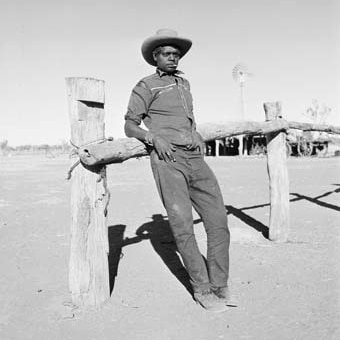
x=241, y=74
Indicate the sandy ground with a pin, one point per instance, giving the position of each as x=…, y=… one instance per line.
x=281, y=291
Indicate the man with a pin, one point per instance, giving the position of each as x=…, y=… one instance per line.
x=184, y=181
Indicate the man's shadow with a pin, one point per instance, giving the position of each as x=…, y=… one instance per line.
x=161, y=238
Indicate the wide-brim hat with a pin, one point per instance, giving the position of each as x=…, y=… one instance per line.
x=164, y=37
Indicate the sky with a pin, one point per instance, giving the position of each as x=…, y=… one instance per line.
x=291, y=48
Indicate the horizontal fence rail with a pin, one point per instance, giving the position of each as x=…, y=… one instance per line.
x=122, y=149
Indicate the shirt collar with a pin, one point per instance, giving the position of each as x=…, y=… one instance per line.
x=162, y=73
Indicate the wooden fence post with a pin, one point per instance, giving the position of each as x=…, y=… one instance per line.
x=88, y=270
x=278, y=178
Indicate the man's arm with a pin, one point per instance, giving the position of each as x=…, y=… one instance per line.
x=163, y=148
x=132, y=129
x=197, y=140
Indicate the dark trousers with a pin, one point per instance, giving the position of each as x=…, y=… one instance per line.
x=190, y=183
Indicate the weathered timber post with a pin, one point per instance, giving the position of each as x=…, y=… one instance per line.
x=88, y=270
x=278, y=178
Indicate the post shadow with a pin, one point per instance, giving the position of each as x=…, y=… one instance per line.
x=115, y=238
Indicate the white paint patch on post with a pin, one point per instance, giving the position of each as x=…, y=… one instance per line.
x=88, y=271
x=279, y=221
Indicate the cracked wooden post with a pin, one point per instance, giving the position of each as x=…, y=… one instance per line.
x=278, y=177
x=88, y=268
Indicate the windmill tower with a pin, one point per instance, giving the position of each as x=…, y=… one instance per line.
x=240, y=75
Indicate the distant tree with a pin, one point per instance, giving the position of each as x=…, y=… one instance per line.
x=317, y=113
x=65, y=146
x=3, y=146
x=43, y=147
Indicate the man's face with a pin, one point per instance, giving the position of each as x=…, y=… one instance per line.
x=167, y=59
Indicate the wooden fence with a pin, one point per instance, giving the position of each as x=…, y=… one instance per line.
x=88, y=270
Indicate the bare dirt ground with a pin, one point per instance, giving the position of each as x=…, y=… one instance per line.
x=281, y=291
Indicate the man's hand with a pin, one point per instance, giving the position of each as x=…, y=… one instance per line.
x=197, y=142
x=164, y=149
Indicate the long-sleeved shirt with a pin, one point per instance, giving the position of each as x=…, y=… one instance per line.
x=164, y=103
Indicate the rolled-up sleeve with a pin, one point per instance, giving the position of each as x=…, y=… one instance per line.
x=139, y=103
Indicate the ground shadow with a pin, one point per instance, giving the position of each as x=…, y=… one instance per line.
x=161, y=238
x=116, y=239
x=159, y=234
x=337, y=190
x=264, y=229
x=301, y=197
x=252, y=222
x=314, y=200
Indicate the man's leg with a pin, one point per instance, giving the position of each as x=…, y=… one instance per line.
x=172, y=186
x=208, y=202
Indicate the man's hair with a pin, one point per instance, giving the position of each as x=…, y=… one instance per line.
x=158, y=50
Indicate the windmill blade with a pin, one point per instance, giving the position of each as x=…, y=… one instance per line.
x=240, y=73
